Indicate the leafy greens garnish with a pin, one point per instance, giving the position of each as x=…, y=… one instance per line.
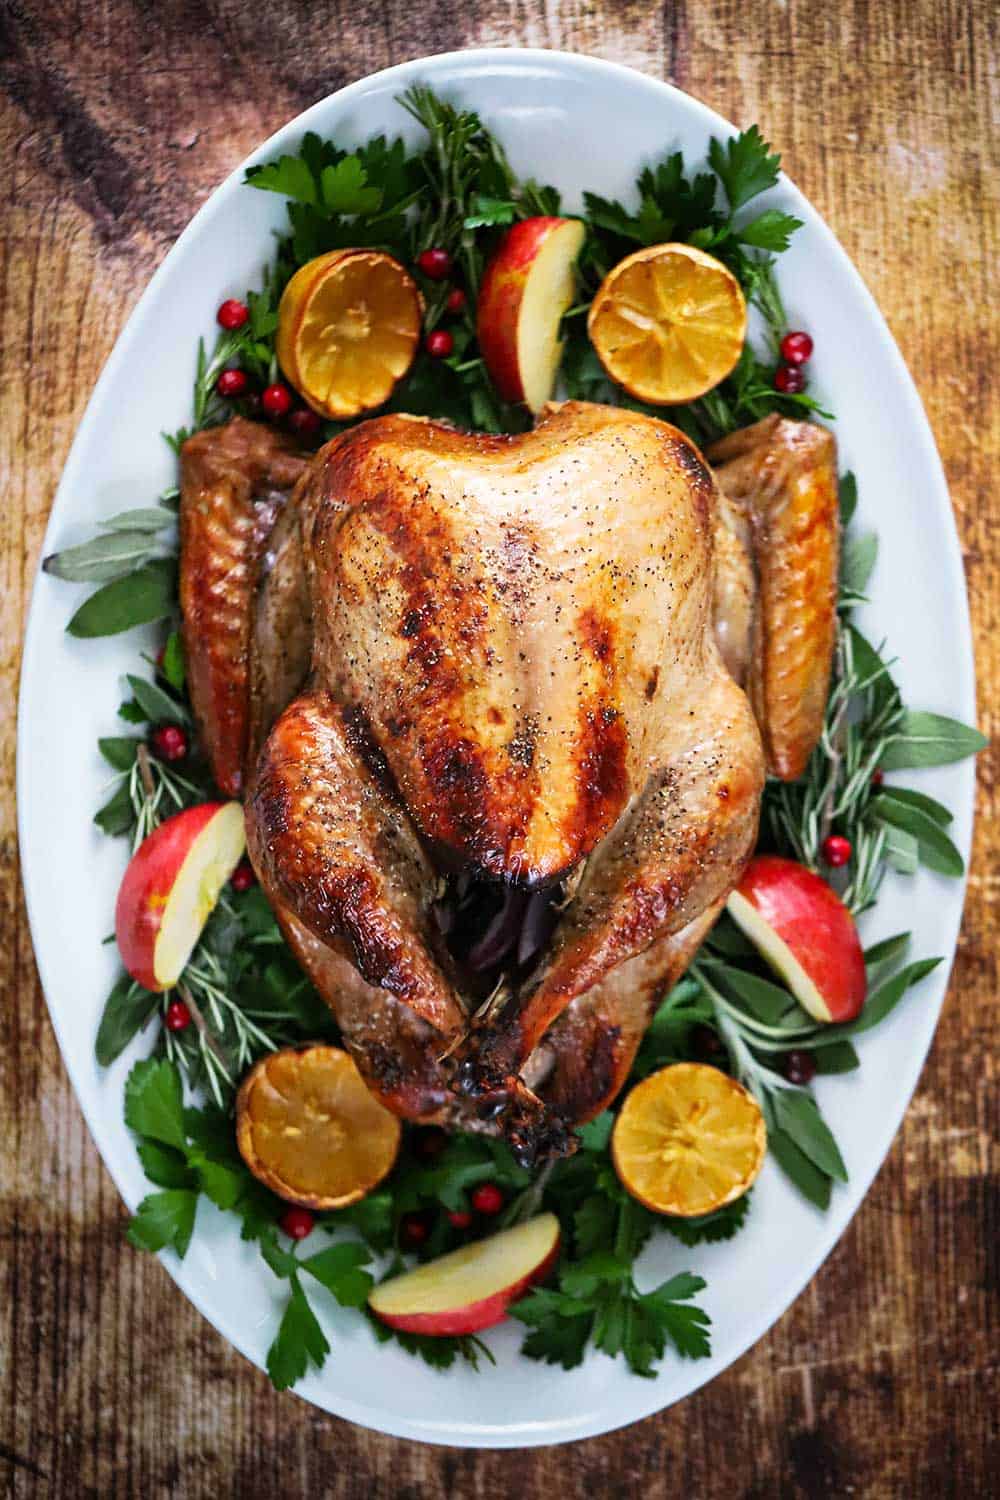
x=455, y=190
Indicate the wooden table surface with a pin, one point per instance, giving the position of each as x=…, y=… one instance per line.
x=117, y=119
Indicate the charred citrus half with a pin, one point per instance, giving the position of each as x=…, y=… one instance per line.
x=307, y=1126
x=348, y=330
x=668, y=323
x=688, y=1140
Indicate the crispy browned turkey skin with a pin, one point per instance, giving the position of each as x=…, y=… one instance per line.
x=520, y=660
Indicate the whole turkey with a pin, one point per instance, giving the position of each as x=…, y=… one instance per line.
x=506, y=675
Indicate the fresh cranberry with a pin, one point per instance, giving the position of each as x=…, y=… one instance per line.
x=177, y=1017
x=836, y=850
x=455, y=300
x=232, y=314
x=878, y=776
x=487, y=1199
x=297, y=1223
x=796, y=348
x=706, y=1040
x=429, y=1142
x=233, y=383
x=439, y=344
x=304, y=422
x=799, y=1067
x=459, y=1218
x=413, y=1229
x=276, y=400
x=169, y=742
x=789, y=380
x=435, y=263
x=243, y=876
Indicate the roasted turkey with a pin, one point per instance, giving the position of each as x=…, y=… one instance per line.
x=543, y=669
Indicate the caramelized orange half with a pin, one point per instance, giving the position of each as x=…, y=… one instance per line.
x=348, y=330
x=688, y=1140
x=668, y=323
x=307, y=1126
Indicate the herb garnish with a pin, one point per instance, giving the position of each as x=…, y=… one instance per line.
x=244, y=990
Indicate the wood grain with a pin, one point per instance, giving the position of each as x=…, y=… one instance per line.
x=117, y=118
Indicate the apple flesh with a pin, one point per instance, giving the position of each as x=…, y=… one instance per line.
x=171, y=885
x=799, y=925
x=527, y=287
x=471, y=1288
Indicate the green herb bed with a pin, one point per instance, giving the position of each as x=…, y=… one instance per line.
x=244, y=989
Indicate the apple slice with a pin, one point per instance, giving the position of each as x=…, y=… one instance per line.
x=471, y=1288
x=527, y=287
x=805, y=932
x=171, y=885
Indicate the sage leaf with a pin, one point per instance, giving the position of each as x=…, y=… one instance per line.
x=126, y=1011
x=888, y=995
x=839, y=1057
x=119, y=751
x=173, y=661
x=101, y=559
x=797, y=1114
x=901, y=850
x=158, y=706
x=936, y=849
x=810, y=1181
x=117, y=815
x=141, y=597
x=149, y=518
x=858, y=561
x=768, y=1002
x=883, y=956
x=925, y=739
x=935, y=810
x=848, y=498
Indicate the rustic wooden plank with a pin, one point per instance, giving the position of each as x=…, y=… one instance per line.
x=116, y=121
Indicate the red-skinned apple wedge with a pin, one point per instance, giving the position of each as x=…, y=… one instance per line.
x=470, y=1289
x=171, y=885
x=805, y=932
x=527, y=287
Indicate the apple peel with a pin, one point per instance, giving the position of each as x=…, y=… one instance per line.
x=802, y=929
x=470, y=1288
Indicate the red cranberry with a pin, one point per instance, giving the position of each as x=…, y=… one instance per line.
x=455, y=300
x=177, y=1017
x=435, y=263
x=796, y=348
x=487, y=1199
x=169, y=742
x=836, y=850
x=459, y=1218
x=878, y=776
x=232, y=314
x=233, y=383
x=789, y=380
x=276, y=400
x=297, y=1223
x=243, y=876
x=304, y=422
x=413, y=1229
x=439, y=344
x=799, y=1067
